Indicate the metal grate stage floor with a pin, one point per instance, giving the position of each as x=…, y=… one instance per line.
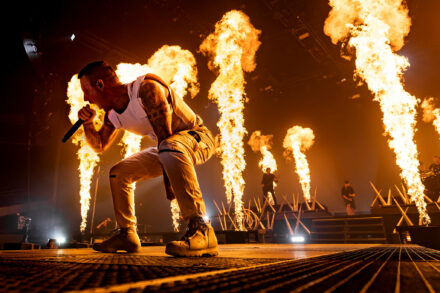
x=262, y=267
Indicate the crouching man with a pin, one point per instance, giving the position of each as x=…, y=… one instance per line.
x=149, y=107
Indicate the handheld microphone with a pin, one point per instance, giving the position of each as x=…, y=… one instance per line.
x=72, y=130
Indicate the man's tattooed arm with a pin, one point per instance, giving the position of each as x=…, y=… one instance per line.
x=102, y=139
x=159, y=111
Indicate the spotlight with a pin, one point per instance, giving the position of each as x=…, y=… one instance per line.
x=303, y=36
x=60, y=239
x=206, y=217
x=72, y=37
x=30, y=48
x=297, y=239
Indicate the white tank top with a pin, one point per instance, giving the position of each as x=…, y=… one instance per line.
x=135, y=119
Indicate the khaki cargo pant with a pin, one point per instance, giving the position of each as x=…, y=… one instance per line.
x=178, y=155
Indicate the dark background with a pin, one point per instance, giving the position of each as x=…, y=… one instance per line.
x=296, y=82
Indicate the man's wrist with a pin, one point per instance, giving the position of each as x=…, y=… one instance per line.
x=88, y=122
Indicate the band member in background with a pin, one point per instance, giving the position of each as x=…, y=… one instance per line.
x=267, y=184
x=432, y=182
x=52, y=244
x=149, y=107
x=348, y=195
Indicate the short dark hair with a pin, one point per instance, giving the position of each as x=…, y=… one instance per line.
x=97, y=70
x=346, y=181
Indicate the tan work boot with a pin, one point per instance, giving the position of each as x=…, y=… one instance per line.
x=199, y=240
x=127, y=240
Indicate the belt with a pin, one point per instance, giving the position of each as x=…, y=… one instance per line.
x=195, y=135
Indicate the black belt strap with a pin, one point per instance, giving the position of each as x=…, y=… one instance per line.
x=171, y=151
x=195, y=135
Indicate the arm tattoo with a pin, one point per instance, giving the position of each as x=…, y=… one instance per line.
x=157, y=108
x=107, y=133
x=100, y=140
x=92, y=137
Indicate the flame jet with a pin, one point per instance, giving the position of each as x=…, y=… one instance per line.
x=232, y=48
x=177, y=67
x=297, y=141
x=376, y=30
x=88, y=158
x=262, y=143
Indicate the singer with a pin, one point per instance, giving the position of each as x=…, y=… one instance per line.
x=148, y=106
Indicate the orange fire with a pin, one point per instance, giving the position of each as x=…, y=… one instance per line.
x=232, y=48
x=298, y=140
x=175, y=214
x=262, y=143
x=178, y=68
x=376, y=30
x=88, y=158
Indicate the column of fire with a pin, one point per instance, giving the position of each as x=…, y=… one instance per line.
x=232, y=48
x=375, y=30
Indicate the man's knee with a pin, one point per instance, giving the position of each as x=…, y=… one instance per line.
x=118, y=172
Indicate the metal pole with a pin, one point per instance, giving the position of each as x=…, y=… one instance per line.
x=55, y=182
x=92, y=221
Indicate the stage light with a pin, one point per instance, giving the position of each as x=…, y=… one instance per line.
x=72, y=37
x=60, y=239
x=206, y=217
x=304, y=36
x=30, y=48
x=297, y=239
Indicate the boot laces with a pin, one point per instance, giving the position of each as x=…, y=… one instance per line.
x=195, y=224
x=114, y=232
x=119, y=231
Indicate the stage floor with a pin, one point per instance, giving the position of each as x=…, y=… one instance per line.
x=239, y=267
